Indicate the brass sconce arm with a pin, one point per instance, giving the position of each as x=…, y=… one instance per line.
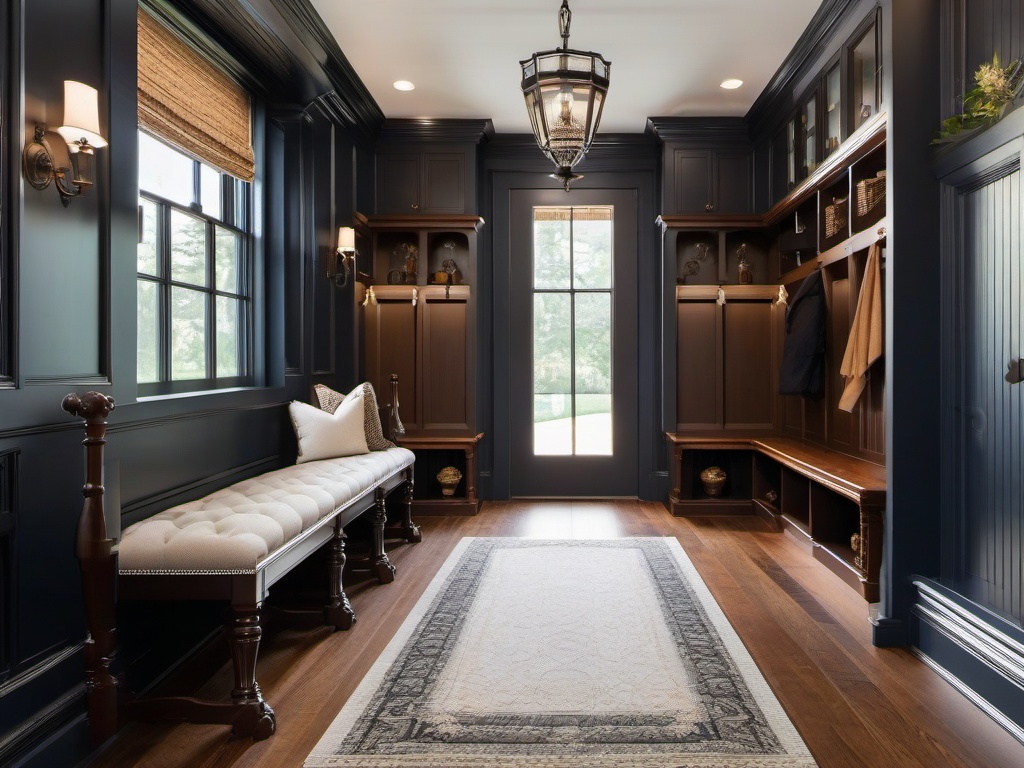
x=72, y=179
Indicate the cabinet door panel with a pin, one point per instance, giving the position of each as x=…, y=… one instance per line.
x=749, y=394
x=445, y=401
x=398, y=183
x=692, y=180
x=391, y=348
x=698, y=357
x=733, y=186
x=444, y=183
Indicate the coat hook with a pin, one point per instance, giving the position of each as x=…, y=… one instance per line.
x=1015, y=371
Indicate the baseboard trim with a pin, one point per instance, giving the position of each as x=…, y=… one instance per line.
x=15, y=744
x=980, y=702
x=973, y=651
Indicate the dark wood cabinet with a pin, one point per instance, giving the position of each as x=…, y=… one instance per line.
x=419, y=319
x=421, y=181
x=711, y=180
x=726, y=358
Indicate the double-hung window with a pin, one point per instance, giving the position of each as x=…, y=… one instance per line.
x=196, y=240
x=195, y=274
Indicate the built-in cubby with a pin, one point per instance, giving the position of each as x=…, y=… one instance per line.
x=736, y=491
x=828, y=502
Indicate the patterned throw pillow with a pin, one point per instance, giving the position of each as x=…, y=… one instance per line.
x=329, y=401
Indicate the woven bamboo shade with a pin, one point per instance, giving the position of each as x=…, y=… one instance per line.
x=192, y=104
x=576, y=213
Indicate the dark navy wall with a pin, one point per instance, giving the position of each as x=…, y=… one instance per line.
x=70, y=315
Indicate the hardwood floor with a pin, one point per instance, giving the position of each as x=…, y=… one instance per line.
x=854, y=704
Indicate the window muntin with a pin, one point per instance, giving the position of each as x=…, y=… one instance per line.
x=195, y=298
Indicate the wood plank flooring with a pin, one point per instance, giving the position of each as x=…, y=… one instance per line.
x=854, y=704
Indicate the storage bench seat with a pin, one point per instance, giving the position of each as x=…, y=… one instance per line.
x=242, y=528
x=831, y=503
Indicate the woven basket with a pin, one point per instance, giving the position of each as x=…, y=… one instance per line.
x=870, y=192
x=713, y=479
x=835, y=216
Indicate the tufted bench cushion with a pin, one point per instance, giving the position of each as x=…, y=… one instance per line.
x=234, y=529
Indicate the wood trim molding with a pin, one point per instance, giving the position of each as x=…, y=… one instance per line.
x=814, y=41
x=280, y=49
x=443, y=130
x=715, y=131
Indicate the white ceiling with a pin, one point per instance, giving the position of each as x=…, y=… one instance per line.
x=668, y=56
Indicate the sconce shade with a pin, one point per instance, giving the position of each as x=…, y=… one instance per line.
x=565, y=91
x=346, y=239
x=81, y=115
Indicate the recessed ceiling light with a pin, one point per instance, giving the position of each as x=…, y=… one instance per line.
x=731, y=84
x=403, y=85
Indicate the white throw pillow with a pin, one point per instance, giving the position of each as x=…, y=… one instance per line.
x=324, y=435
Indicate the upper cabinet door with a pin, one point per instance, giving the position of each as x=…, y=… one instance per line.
x=444, y=182
x=425, y=181
x=693, y=169
x=733, y=188
x=398, y=182
x=711, y=181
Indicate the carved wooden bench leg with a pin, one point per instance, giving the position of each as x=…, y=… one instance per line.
x=381, y=565
x=338, y=612
x=255, y=717
x=247, y=714
x=405, y=528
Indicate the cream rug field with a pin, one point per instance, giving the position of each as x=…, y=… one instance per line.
x=563, y=654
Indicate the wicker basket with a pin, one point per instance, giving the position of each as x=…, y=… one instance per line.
x=870, y=192
x=835, y=216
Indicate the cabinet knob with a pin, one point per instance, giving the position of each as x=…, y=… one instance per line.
x=709, y=207
x=415, y=206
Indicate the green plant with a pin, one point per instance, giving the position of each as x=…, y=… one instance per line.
x=995, y=87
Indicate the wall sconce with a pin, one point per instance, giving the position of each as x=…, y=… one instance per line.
x=342, y=263
x=81, y=133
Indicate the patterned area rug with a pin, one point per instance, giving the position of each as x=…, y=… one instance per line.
x=564, y=654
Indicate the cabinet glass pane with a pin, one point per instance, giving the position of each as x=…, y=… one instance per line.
x=188, y=334
x=552, y=229
x=864, y=78
x=791, y=154
x=833, y=111
x=188, y=249
x=808, y=119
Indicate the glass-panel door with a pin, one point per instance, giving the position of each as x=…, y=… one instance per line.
x=572, y=320
x=574, y=347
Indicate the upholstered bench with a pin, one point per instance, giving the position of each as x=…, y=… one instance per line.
x=235, y=543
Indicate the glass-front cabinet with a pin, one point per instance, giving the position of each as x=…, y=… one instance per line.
x=846, y=95
x=833, y=103
x=809, y=135
x=864, y=77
